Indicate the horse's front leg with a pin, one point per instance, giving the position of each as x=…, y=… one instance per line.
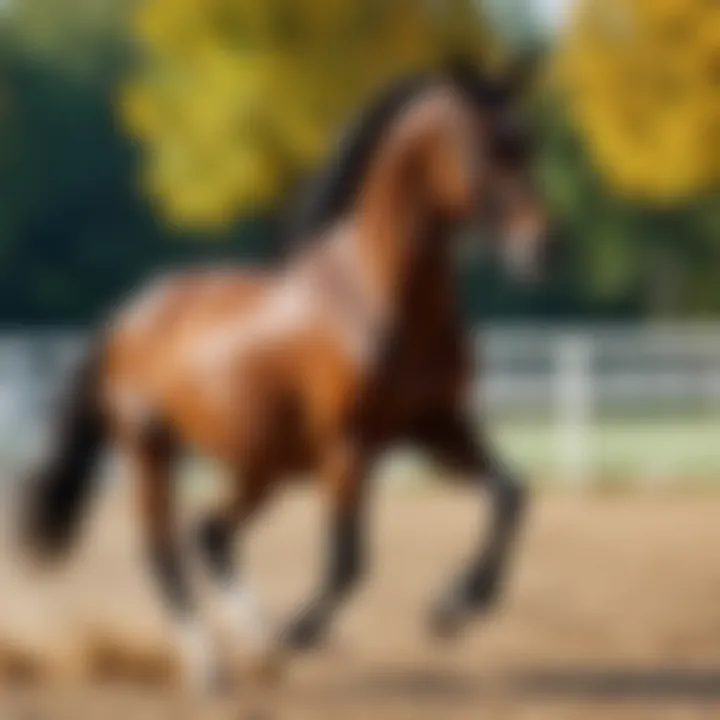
x=343, y=477
x=453, y=442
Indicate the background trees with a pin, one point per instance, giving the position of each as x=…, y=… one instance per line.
x=134, y=140
x=235, y=99
x=632, y=150
x=641, y=81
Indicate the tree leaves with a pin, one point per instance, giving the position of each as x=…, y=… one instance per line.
x=640, y=84
x=235, y=97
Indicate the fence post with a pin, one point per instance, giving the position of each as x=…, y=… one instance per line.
x=574, y=408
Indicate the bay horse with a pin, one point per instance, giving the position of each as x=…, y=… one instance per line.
x=352, y=345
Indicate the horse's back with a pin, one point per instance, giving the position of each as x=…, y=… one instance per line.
x=184, y=298
x=168, y=321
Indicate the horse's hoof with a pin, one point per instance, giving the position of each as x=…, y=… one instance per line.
x=446, y=620
x=470, y=597
x=305, y=633
x=205, y=683
x=269, y=669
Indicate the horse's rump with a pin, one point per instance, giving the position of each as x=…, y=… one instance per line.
x=159, y=357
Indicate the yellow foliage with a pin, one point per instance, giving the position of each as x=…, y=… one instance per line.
x=235, y=96
x=642, y=81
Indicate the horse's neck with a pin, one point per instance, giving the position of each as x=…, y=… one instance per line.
x=401, y=247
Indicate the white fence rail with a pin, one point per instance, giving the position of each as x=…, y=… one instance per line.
x=576, y=405
x=606, y=403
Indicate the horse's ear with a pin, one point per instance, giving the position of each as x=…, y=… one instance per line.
x=466, y=75
x=517, y=78
x=522, y=71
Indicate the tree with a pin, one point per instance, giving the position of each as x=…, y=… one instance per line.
x=661, y=259
x=641, y=83
x=75, y=235
x=235, y=97
x=631, y=161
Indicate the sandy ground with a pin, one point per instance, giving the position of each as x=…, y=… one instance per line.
x=613, y=611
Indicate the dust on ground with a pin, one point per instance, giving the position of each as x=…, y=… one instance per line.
x=612, y=611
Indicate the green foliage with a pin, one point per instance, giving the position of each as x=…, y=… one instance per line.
x=76, y=231
x=75, y=234
x=640, y=79
x=234, y=98
x=664, y=259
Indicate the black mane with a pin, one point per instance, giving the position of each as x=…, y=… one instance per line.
x=332, y=191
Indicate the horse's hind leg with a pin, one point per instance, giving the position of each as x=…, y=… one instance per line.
x=453, y=442
x=343, y=477
x=216, y=533
x=151, y=455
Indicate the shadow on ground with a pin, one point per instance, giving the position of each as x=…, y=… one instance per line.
x=667, y=684
x=618, y=684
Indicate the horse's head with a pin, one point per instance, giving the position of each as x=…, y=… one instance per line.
x=453, y=148
x=508, y=206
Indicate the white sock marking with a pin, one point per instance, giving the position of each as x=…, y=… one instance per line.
x=241, y=611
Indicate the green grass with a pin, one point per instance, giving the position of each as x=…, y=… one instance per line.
x=651, y=450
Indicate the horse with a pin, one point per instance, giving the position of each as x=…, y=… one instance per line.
x=351, y=345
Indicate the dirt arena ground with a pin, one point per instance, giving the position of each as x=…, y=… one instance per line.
x=613, y=612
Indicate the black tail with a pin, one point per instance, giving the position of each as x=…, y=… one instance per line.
x=60, y=488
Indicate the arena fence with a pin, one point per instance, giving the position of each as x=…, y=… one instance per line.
x=573, y=405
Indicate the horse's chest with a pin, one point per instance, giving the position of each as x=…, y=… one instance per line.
x=411, y=374
x=412, y=377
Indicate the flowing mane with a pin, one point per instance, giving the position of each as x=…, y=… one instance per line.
x=337, y=184
x=334, y=188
